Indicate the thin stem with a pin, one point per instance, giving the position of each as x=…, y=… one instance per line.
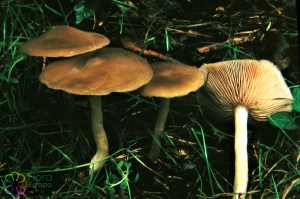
x=240, y=149
x=98, y=132
x=159, y=128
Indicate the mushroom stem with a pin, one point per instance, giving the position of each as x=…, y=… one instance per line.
x=159, y=128
x=240, y=149
x=99, y=134
x=44, y=63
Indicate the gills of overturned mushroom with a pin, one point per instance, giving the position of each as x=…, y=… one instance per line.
x=239, y=88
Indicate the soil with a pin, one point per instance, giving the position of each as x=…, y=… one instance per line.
x=193, y=32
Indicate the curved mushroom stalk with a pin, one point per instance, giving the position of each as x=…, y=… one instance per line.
x=169, y=80
x=98, y=159
x=159, y=128
x=95, y=74
x=240, y=150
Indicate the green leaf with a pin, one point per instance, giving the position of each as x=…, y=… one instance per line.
x=296, y=101
x=120, y=164
x=127, y=165
x=82, y=12
x=284, y=120
x=124, y=185
x=110, y=180
x=137, y=177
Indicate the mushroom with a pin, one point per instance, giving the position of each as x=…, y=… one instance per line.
x=242, y=87
x=169, y=80
x=95, y=74
x=64, y=41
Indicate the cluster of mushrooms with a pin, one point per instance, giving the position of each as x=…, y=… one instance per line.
x=236, y=87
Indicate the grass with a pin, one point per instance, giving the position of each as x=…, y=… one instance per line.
x=46, y=134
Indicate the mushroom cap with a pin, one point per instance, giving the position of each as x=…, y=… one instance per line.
x=64, y=41
x=98, y=73
x=172, y=79
x=257, y=85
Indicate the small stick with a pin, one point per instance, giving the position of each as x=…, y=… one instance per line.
x=44, y=63
x=133, y=46
x=236, y=41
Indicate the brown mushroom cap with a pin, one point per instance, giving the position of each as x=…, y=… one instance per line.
x=257, y=85
x=98, y=73
x=64, y=41
x=172, y=79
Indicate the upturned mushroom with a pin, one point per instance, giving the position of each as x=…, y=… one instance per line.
x=95, y=74
x=64, y=41
x=242, y=87
x=169, y=80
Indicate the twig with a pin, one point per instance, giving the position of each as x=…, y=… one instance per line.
x=128, y=44
x=44, y=63
x=235, y=41
x=189, y=32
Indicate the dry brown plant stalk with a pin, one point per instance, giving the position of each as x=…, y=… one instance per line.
x=130, y=45
x=235, y=41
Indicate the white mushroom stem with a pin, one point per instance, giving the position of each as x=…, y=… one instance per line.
x=240, y=149
x=159, y=128
x=99, y=133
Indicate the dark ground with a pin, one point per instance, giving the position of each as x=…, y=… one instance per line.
x=40, y=127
